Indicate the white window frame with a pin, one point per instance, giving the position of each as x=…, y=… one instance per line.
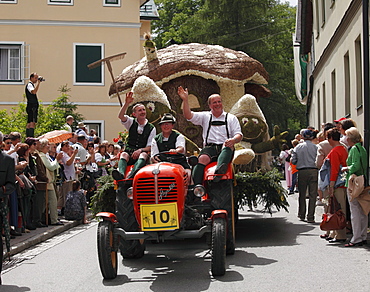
x=102, y=127
x=23, y=62
x=74, y=64
x=8, y=1
x=60, y=2
x=111, y=5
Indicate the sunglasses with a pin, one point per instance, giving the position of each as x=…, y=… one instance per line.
x=35, y=143
x=8, y=143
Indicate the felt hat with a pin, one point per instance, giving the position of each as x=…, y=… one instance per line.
x=167, y=118
x=81, y=125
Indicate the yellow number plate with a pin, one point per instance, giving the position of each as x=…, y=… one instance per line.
x=158, y=217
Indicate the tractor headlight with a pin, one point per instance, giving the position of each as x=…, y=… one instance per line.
x=199, y=191
x=130, y=193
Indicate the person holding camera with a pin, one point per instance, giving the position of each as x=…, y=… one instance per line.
x=32, y=102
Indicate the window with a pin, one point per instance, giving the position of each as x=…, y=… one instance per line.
x=111, y=2
x=347, y=85
x=10, y=63
x=334, y=95
x=358, y=76
x=9, y=1
x=60, y=2
x=85, y=54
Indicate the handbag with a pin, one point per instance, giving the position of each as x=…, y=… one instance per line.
x=335, y=218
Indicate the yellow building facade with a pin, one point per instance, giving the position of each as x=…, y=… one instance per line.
x=57, y=39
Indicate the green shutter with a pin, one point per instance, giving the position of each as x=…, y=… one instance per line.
x=86, y=55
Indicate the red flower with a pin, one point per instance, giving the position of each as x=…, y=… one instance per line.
x=115, y=140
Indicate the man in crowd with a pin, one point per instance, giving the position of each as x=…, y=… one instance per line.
x=7, y=186
x=68, y=125
x=221, y=131
x=304, y=157
x=141, y=134
x=32, y=103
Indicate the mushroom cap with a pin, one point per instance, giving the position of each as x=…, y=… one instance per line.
x=208, y=61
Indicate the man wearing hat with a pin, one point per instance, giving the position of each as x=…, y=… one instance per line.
x=304, y=157
x=169, y=140
x=141, y=134
x=82, y=130
x=7, y=186
x=221, y=131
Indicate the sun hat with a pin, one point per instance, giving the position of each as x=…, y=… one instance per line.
x=81, y=125
x=308, y=134
x=339, y=120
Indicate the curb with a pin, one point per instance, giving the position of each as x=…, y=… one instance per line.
x=41, y=237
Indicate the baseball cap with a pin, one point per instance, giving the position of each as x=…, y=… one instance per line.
x=339, y=120
x=308, y=134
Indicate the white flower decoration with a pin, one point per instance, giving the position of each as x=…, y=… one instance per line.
x=199, y=53
x=139, y=66
x=230, y=56
x=216, y=47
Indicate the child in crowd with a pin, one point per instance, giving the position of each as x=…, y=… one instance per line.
x=75, y=206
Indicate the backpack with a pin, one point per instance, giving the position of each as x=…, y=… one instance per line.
x=287, y=159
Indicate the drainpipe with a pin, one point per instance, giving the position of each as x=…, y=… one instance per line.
x=365, y=28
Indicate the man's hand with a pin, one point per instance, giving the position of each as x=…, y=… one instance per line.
x=230, y=142
x=183, y=93
x=129, y=97
x=136, y=154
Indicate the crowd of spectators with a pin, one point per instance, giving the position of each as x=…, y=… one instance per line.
x=315, y=167
x=48, y=187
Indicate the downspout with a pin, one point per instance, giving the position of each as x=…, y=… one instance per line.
x=365, y=28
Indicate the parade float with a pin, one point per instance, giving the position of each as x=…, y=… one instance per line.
x=206, y=69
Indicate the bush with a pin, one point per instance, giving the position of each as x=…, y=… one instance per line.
x=265, y=188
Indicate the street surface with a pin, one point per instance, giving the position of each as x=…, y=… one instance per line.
x=274, y=253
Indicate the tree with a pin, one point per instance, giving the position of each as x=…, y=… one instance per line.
x=261, y=28
x=51, y=117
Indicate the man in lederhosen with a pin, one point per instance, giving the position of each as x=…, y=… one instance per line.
x=221, y=131
x=141, y=134
x=32, y=103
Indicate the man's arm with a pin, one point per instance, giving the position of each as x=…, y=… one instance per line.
x=184, y=95
x=122, y=112
x=36, y=88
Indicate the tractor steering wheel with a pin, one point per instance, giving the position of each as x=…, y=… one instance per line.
x=169, y=156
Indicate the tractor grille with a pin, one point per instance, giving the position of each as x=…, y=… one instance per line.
x=145, y=190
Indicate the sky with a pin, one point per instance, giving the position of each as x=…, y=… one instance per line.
x=291, y=2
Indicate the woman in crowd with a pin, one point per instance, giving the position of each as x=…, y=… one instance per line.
x=343, y=126
x=102, y=159
x=69, y=171
x=284, y=154
x=356, y=164
x=76, y=204
x=51, y=166
x=337, y=157
x=294, y=172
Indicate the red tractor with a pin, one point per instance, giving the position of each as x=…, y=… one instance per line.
x=158, y=204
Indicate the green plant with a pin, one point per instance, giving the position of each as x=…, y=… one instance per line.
x=265, y=188
x=105, y=195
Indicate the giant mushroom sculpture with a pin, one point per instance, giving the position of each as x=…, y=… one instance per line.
x=204, y=70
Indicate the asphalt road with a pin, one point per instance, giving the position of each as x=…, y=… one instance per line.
x=274, y=253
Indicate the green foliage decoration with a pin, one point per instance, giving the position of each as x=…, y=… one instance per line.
x=265, y=188
x=105, y=195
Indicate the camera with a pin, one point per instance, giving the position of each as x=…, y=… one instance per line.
x=41, y=79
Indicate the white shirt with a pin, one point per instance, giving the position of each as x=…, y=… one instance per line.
x=180, y=141
x=217, y=134
x=82, y=152
x=140, y=129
